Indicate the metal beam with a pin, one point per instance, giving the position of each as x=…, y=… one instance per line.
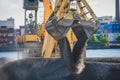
x=117, y=11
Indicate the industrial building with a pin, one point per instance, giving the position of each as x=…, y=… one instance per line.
x=7, y=35
x=9, y=23
x=111, y=30
x=105, y=19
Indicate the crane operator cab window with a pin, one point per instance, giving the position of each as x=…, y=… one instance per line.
x=32, y=1
x=31, y=4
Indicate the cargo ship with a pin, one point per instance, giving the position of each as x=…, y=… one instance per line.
x=7, y=39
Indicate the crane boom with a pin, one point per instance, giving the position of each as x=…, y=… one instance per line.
x=62, y=10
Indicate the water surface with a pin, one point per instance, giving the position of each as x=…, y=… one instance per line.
x=89, y=53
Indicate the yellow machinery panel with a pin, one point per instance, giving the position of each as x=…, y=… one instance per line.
x=20, y=39
x=31, y=38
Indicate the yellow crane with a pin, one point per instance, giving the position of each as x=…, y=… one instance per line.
x=60, y=9
x=30, y=39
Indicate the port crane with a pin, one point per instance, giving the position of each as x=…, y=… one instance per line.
x=60, y=9
x=70, y=27
x=82, y=28
x=30, y=39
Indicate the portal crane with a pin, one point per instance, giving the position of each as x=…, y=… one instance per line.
x=80, y=23
x=61, y=10
x=30, y=38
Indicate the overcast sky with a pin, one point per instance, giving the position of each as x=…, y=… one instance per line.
x=14, y=8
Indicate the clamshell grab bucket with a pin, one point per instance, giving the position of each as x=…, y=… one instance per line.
x=58, y=29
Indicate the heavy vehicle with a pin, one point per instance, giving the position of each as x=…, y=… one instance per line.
x=68, y=29
x=48, y=47
x=30, y=38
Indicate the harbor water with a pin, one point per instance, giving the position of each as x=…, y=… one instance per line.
x=89, y=53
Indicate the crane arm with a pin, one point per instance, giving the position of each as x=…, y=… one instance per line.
x=59, y=21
